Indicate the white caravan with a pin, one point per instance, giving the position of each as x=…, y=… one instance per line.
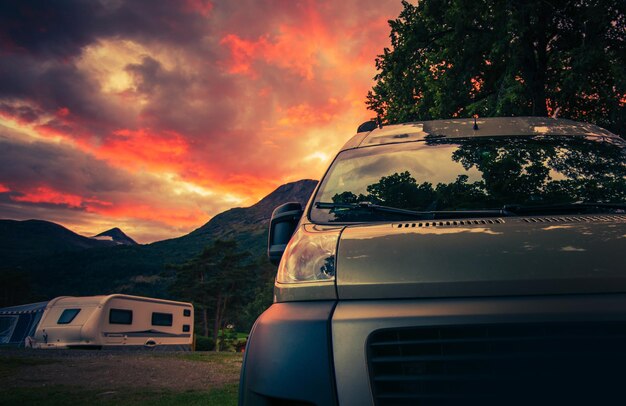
x=115, y=321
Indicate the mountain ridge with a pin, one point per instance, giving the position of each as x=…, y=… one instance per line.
x=117, y=236
x=142, y=269
x=40, y=237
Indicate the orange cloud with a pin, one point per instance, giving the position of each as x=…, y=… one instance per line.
x=45, y=194
x=173, y=216
x=4, y=189
x=146, y=149
x=170, y=216
x=298, y=47
x=305, y=114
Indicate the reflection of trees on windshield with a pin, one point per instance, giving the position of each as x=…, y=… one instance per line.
x=519, y=171
x=514, y=171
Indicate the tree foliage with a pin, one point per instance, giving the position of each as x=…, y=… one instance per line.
x=15, y=288
x=215, y=281
x=457, y=58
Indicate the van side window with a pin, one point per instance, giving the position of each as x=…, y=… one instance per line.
x=187, y=313
x=120, y=316
x=67, y=316
x=186, y=328
x=161, y=319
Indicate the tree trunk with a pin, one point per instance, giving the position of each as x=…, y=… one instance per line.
x=533, y=59
x=205, y=321
x=216, y=322
x=220, y=310
x=541, y=57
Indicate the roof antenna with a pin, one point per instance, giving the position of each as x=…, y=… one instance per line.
x=475, y=124
x=556, y=112
x=379, y=122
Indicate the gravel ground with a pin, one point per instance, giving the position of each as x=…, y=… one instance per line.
x=115, y=369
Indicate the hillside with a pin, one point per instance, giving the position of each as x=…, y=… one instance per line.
x=246, y=225
x=59, y=268
x=20, y=240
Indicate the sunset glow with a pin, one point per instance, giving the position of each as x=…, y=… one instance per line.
x=155, y=116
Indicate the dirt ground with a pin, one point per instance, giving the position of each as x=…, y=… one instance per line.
x=103, y=370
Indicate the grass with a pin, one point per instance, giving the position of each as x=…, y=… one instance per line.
x=64, y=395
x=212, y=357
x=227, y=363
x=9, y=364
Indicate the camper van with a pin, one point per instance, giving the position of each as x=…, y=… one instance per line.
x=451, y=262
x=115, y=321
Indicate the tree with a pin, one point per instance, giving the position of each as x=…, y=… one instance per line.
x=212, y=281
x=15, y=288
x=457, y=58
x=260, y=297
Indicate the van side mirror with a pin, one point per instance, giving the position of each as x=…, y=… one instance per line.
x=284, y=220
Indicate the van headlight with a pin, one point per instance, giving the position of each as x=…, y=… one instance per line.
x=309, y=256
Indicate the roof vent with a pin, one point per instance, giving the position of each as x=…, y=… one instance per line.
x=450, y=223
x=574, y=219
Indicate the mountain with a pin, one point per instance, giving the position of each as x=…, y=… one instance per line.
x=246, y=225
x=56, y=268
x=115, y=235
x=36, y=238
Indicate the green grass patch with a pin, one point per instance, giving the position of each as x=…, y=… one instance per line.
x=227, y=362
x=62, y=395
x=224, y=358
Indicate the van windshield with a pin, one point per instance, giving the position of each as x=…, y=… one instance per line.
x=470, y=175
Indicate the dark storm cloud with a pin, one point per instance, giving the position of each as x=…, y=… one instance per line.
x=62, y=28
x=23, y=114
x=47, y=28
x=26, y=165
x=39, y=41
x=55, y=86
x=200, y=104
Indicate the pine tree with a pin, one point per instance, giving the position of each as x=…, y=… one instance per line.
x=212, y=281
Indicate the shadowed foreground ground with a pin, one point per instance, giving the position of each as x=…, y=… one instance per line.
x=118, y=378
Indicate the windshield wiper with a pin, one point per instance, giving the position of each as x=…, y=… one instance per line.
x=425, y=215
x=519, y=209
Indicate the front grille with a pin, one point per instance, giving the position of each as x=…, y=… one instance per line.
x=556, y=363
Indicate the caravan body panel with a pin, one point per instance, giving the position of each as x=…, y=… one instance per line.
x=115, y=321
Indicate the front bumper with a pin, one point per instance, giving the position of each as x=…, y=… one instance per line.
x=316, y=353
x=288, y=360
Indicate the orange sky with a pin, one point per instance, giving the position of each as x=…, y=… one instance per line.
x=155, y=116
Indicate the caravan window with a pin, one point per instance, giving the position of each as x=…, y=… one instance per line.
x=187, y=313
x=186, y=328
x=161, y=319
x=120, y=316
x=67, y=316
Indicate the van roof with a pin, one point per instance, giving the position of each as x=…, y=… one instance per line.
x=464, y=127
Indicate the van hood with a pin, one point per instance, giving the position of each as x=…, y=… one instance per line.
x=484, y=257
